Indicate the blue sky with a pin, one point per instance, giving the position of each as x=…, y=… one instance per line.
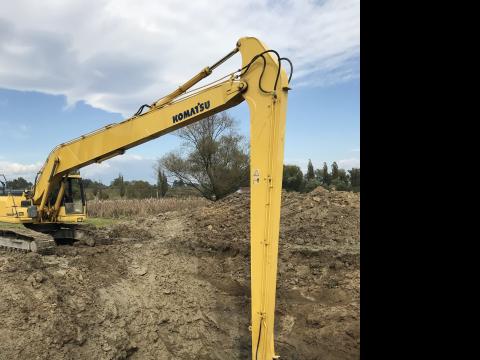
x=71, y=71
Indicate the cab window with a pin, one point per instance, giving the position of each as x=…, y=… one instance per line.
x=74, y=199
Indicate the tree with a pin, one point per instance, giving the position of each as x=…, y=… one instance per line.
x=343, y=176
x=355, y=179
x=341, y=182
x=119, y=183
x=334, y=170
x=19, y=184
x=311, y=184
x=326, y=178
x=102, y=195
x=87, y=183
x=93, y=186
x=310, y=171
x=162, y=182
x=214, y=161
x=292, y=178
x=139, y=189
x=122, y=189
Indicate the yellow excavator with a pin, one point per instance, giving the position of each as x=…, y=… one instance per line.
x=56, y=205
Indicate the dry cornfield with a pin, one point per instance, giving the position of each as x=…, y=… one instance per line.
x=124, y=208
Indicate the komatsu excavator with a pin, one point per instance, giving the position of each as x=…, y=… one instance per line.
x=56, y=204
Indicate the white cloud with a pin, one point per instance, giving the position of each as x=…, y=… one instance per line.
x=349, y=163
x=132, y=166
x=119, y=54
x=13, y=169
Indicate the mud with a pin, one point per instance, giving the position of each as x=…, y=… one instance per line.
x=176, y=286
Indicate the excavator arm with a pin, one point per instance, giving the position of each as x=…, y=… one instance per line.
x=115, y=139
x=263, y=83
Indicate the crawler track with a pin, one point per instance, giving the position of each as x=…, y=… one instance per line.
x=26, y=240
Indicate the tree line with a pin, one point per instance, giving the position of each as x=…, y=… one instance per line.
x=336, y=179
x=120, y=188
x=18, y=184
x=293, y=180
x=213, y=161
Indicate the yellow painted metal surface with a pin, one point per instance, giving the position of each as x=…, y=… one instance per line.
x=267, y=136
x=70, y=219
x=11, y=210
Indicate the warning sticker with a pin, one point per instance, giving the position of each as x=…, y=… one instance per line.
x=256, y=176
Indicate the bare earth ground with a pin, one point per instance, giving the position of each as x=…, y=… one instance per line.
x=176, y=286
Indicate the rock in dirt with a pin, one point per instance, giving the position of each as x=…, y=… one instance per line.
x=139, y=270
x=36, y=280
x=88, y=240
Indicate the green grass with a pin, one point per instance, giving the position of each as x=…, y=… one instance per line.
x=8, y=225
x=100, y=222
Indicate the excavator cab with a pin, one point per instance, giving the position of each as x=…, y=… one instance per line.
x=74, y=197
x=68, y=200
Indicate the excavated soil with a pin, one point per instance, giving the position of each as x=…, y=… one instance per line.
x=176, y=286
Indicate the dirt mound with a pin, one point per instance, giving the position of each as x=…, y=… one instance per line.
x=318, y=280
x=177, y=286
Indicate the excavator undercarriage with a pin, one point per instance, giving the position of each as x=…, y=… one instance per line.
x=16, y=238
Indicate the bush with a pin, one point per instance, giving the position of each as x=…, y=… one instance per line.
x=311, y=184
x=340, y=185
x=292, y=178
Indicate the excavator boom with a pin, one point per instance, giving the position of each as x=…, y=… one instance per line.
x=263, y=84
